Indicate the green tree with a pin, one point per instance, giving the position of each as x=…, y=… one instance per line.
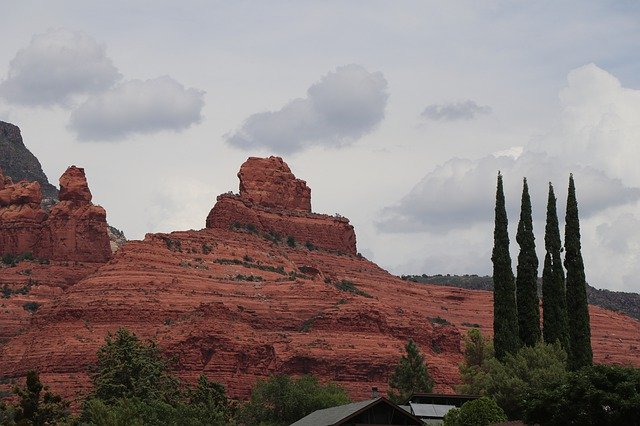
x=593, y=395
x=282, y=400
x=505, y=317
x=528, y=305
x=580, y=352
x=554, y=299
x=531, y=370
x=211, y=396
x=410, y=376
x=128, y=367
x=480, y=412
x=38, y=408
x=476, y=349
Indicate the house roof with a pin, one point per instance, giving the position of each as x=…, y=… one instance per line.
x=335, y=415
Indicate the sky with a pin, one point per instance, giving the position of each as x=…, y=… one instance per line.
x=399, y=115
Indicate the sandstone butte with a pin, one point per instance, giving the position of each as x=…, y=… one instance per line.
x=234, y=303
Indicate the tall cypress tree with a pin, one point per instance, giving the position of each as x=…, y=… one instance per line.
x=554, y=316
x=505, y=318
x=527, y=275
x=580, y=353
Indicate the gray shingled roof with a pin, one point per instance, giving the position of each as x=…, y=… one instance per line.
x=329, y=416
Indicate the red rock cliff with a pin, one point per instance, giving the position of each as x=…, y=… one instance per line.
x=21, y=217
x=273, y=201
x=74, y=229
x=268, y=182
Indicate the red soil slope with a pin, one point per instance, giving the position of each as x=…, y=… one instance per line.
x=196, y=293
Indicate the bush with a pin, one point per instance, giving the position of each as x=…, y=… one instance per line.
x=480, y=412
x=291, y=242
x=349, y=286
x=31, y=306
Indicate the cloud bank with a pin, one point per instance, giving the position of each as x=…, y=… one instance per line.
x=137, y=107
x=55, y=66
x=466, y=110
x=340, y=108
x=461, y=193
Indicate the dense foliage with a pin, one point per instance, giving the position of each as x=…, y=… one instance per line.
x=528, y=305
x=580, y=353
x=410, y=376
x=282, y=400
x=554, y=321
x=530, y=371
x=130, y=368
x=480, y=412
x=505, y=319
x=36, y=405
x=593, y=395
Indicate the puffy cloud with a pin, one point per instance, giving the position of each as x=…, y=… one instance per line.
x=599, y=125
x=343, y=106
x=137, y=106
x=461, y=193
x=466, y=110
x=56, y=66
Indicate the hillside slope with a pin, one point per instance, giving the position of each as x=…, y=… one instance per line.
x=620, y=301
x=239, y=301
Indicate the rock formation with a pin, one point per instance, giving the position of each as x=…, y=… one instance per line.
x=272, y=201
x=73, y=230
x=268, y=182
x=19, y=163
x=237, y=305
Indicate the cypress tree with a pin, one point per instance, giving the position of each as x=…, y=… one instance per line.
x=505, y=318
x=527, y=276
x=554, y=317
x=580, y=353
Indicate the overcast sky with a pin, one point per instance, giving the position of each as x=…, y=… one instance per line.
x=397, y=114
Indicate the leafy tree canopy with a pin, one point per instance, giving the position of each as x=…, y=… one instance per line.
x=593, y=395
x=282, y=400
x=480, y=412
x=532, y=370
x=130, y=368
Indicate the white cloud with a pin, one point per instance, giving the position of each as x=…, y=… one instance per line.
x=180, y=203
x=343, y=106
x=461, y=193
x=56, y=66
x=455, y=111
x=137, y=106
x=595, y=137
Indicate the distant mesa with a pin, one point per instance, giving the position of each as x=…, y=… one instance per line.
x=273, y=201
x=19, y=163
x=74, y=229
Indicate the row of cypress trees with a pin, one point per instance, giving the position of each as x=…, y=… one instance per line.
x=516, y=319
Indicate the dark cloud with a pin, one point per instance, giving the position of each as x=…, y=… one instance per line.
x=461, y=193
x=56, y=66
x=137, y=106
x=467, y=110
x=343, y=106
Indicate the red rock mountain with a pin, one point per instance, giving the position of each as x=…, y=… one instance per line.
x=237, y=304
x=74, y=229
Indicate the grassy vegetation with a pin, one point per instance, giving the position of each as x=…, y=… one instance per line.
x=350, y=287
